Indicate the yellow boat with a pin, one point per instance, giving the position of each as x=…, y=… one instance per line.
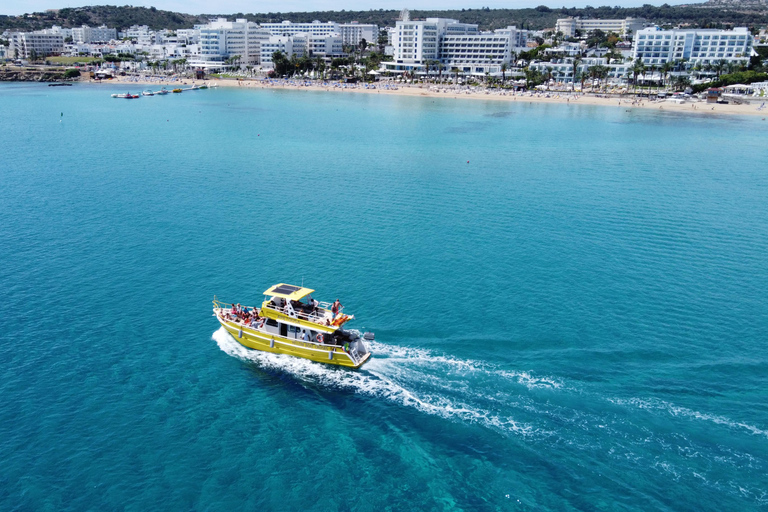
x=286, y=325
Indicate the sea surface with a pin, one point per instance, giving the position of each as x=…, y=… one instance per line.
x=570, y=303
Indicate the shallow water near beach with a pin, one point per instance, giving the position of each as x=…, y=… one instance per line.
x=570, y=303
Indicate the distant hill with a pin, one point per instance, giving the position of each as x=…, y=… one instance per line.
x=112, y=16
x=714, y=13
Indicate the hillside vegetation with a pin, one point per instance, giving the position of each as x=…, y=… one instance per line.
x=697, y=15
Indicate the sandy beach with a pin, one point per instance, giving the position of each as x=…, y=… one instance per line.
x=628, y=101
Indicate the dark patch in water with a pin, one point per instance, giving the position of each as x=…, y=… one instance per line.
x=500, y=114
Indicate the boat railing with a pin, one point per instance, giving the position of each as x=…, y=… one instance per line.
x=219, y=304
x=318, y=316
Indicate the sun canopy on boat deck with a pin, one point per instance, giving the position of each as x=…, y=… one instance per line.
x=288, y=291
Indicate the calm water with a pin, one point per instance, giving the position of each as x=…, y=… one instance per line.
x=570, y=303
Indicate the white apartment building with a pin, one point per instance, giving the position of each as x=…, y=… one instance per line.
x=222, y=39
x=655, y=46
x=188, y=35
x=415, y=42
x=24, y=45
x=328, y=46
x=561, y=70
x=86, y=34
x=139, y=33
x=481, y=53
x=569, y=26
x=453, y=44
x=289, y=45
x=353, y=33
x=287, y=28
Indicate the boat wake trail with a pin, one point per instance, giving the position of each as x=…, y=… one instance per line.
x=433, y=384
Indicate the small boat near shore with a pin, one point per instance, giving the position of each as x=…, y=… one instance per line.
x=162, y=91
x=147, y=93
x=127, y=96
x=60, y=84
x=177, y=90
x=286, y=325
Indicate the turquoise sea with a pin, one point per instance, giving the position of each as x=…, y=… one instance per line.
x=570, y=303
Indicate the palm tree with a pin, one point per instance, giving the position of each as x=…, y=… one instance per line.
x=665, y=69
x=503, y=73
x=576, y=64
x=719, y=66
x=455, y=70
x=638, y=68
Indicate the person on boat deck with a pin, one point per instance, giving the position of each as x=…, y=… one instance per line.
x=337, y=307
x=313, y=304
x=304, y=336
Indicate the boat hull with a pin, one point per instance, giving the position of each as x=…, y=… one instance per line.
x=257, y=340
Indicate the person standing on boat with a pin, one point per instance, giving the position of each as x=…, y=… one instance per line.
x=336, y=308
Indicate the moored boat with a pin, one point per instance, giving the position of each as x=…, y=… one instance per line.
x=177, y=90
x=147, y=93
x=163, y=91
x=286, y=325
x=128, y=96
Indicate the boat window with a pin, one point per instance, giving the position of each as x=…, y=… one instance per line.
x=271, y=322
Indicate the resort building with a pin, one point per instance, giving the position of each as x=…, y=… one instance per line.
x=561, y=70
x=654, y=46
x=625, y=27
x=289, y=45
x=481, y=53
x=25, y=45
x=86, y=34
x=139, y=33
x=353, y=33
x=221, y=40
x=327, y=46
x=287, y=28
x=418, y=44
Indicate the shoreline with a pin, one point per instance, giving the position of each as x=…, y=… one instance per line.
x=463, y=92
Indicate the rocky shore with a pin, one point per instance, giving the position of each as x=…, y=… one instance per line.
x=31, y=75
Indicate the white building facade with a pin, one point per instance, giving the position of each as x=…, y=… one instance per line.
x=25, y=45
x=654, y=46
x=416, y=44
x=286, y=28
x=481, y=53
x=353, y=33
x=86, y=34
x=289, y=45
x=221, y=39
x=569, y=26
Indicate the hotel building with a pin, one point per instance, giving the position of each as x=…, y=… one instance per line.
x=24, y=45
x=86, y=34
x=654, y=46
x=453, y=44
x=569, y=26
x=222, y=39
